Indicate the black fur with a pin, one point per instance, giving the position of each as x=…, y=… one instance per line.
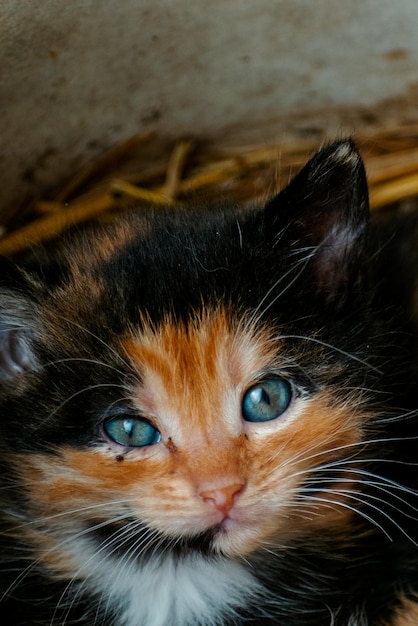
x=311, y=266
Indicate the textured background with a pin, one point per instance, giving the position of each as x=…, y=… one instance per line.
x=77, y=77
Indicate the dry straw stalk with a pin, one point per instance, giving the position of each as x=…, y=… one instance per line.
x=145, y=171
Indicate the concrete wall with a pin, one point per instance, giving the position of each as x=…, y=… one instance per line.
x=76, y=77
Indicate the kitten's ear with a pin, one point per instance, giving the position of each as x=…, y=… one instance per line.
x=17, y=321
x=323, y=213
x=16, y=339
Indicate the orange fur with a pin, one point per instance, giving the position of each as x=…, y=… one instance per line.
x=407, y=615
x=192, y=382
x=84, y=264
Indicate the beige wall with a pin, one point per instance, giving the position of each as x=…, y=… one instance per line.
x=78, y=76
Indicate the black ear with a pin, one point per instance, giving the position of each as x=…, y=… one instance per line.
x=323, y=213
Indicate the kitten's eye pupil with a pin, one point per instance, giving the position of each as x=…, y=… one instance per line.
x=267, y=400
x=133, y=432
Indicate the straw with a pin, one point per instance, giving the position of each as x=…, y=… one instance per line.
x=147, y=170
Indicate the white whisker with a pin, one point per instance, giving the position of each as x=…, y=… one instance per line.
x=100, y=340
x=258, y=313
x=335, y=504
x=78, y=393
x=117, y=538
x=84, y=360
x=330, y=346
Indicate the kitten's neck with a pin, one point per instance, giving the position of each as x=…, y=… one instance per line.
x=165, y=591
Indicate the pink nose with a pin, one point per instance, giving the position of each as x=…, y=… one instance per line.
x=222, y=498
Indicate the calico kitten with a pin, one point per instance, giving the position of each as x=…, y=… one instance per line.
x=207, y=419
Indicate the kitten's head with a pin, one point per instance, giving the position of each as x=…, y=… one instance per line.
x=194, y=380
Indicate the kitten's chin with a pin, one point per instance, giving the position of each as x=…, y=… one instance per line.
x=235, y=542
x=230, y=538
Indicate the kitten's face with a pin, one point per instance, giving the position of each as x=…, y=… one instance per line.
x=182, y=451
x=200, y=407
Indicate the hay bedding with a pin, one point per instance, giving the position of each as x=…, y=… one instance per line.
x=155, y=172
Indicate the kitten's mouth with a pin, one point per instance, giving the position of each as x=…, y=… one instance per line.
x=210, y=541
x=204, y=541
x=228, y=537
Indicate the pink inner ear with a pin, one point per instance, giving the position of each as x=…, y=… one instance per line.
x=15, y=355
x=333, y=254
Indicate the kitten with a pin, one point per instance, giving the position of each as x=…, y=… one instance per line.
x=207, y=418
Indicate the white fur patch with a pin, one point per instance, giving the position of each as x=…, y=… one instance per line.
x=195, y=591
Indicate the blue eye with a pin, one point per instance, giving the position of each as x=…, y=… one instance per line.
x=267, y=400
x=133, y=432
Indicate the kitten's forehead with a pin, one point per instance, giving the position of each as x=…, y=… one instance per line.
x=162, y=264
x=193, y=367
